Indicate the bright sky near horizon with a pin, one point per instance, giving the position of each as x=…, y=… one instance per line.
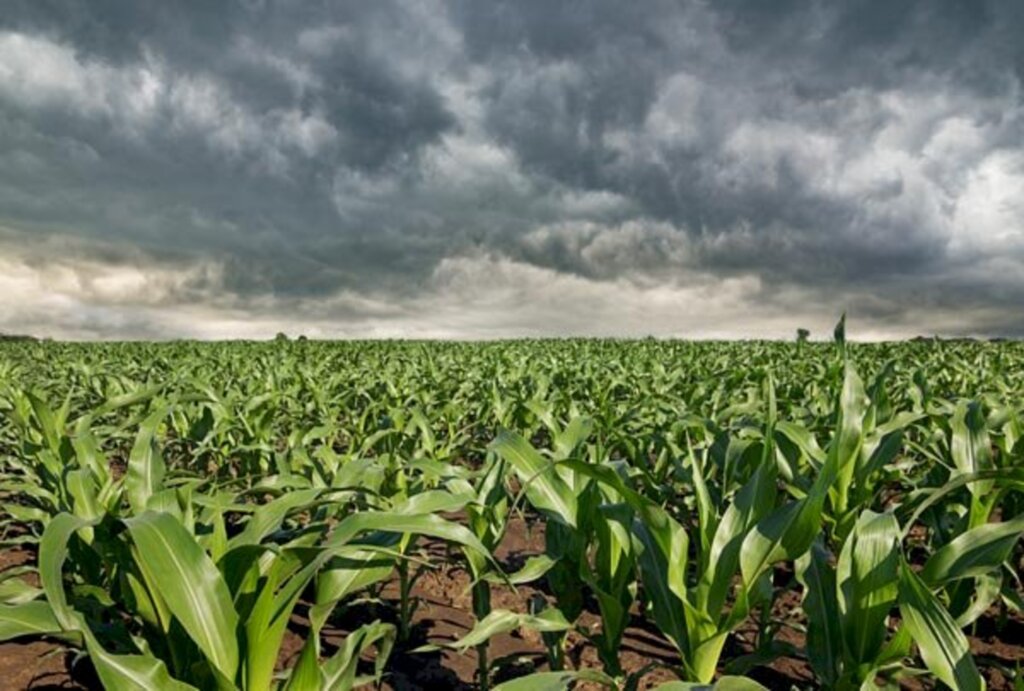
x=483, y=168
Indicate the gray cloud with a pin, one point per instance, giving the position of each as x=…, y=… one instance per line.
x=494, y=168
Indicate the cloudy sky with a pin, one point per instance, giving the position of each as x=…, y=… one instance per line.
x=483, y=168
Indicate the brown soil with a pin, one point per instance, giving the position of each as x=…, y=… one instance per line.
x=444, y=615
x=37, y=664
x=15, y=557
x=998, y=647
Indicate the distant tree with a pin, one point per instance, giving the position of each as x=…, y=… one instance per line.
x=281, y=336
x=801, y=337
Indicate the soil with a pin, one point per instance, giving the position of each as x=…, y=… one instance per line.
x=443, y=615
x=38, y=664
x=15, y=557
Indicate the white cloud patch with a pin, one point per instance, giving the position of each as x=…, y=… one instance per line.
x=140, y=100
x=474, y=296
x=989, y=216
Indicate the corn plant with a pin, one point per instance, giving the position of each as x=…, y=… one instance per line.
x=174, y=509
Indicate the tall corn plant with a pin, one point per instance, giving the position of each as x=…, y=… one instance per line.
x=848, y=604
x=689, y=601
x=56, y=470
x=587, y=538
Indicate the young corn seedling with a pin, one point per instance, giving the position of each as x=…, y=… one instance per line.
x=204, y=623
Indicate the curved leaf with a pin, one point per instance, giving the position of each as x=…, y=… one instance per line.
x=545, y=488
x=866, y=577
x=179, y=572
x=146, y=467
x=502, y=621
x=974, y=553
x=943, y=645
x=129, y=672
x=27, y=619
x=824, y=638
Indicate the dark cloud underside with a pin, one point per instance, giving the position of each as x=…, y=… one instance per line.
x=499, y=168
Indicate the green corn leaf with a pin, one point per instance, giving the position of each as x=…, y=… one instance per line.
x=50, y=423
x=357, y=570
x=943, y=646
x=127, y=399
x=33, y=618
x=16, y=591
x=146, y=467
x=269, y=517
x=555, y=681
x=867, y=581
x=132, y=673
x=824, y=636
x=1006, y=478
x=782, y=535
x=502, y=621
x=574, y=434
x=305, y=675
x=422, y=524
x=345, y=575
x=802, y=439
x=534, y=568
x=339, y=672
x=27, y=514
x=128, y=672
x=970, y=446
x=183, y=576
x=752, y=503
x=845, y=449
x=541, y=681
x=435, y=501
x=974, y=553
x=87, y=450
x=266, y=624
x=839, y=334
x=707, y=513
x=666, y=593
x=84, y=492
x=276, y=593
x=986, y=591
x=545, y=488
x=53, y=551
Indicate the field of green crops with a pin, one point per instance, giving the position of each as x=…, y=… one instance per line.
x=762, y=514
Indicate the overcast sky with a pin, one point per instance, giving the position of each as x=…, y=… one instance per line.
x=481, y=169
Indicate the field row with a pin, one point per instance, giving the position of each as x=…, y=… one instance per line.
x=516, y=515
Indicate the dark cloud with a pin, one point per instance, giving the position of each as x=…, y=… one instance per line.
x=359, y=167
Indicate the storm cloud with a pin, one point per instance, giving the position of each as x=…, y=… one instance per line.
x=475, y=169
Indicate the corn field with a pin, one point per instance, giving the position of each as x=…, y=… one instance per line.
x=262, y=516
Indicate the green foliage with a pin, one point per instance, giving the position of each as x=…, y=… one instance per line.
x=185, y=503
